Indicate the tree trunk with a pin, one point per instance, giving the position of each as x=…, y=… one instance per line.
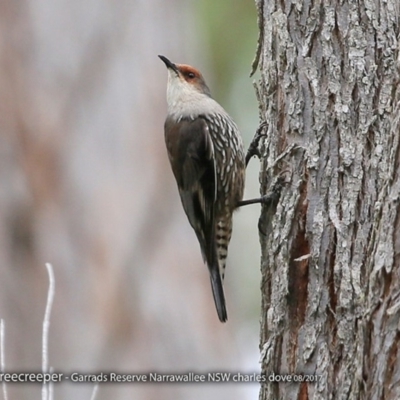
x=329, y=92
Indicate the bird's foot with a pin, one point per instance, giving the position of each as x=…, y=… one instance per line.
x=253, y=148
x=271, y=197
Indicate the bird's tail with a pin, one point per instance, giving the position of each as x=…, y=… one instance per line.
x=218, y=293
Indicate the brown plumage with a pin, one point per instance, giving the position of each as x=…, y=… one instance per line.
x=207, y=158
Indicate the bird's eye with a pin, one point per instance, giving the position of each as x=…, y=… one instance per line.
x=191, y=75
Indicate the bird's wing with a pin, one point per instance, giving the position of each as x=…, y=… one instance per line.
x=191, y=153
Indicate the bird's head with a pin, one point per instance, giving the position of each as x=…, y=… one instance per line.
x=184, y=79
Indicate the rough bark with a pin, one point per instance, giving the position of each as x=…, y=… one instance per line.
x=329, y=92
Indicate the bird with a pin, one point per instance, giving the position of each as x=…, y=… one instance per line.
x=206, y=153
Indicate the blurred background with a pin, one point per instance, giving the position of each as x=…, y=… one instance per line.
x=85, y=184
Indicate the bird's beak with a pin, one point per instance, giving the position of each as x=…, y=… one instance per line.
x=169, y=64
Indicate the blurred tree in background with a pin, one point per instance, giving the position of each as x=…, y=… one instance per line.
x=85, y=184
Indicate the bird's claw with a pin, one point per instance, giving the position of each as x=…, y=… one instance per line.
x=253, y=148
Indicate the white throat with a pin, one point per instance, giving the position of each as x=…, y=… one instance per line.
x=185, y=101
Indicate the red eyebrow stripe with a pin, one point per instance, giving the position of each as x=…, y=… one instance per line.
x=187, y=68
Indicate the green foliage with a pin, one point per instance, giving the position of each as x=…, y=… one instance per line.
x=230, y=30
